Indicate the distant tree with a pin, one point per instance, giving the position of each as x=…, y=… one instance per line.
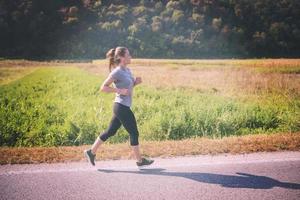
x=87, y=28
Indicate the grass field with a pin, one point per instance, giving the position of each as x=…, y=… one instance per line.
x=59, y=103
x=52, y=104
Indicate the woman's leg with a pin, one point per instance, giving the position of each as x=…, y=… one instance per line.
x=96, y=145
x=137, y=153
x=114, y=125
x=127, y=118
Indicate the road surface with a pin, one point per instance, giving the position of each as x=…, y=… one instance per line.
x=256, y=176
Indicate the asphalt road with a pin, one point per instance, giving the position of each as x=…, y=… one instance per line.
x=255, y=176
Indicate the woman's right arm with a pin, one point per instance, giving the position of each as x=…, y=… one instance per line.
x=105, y=87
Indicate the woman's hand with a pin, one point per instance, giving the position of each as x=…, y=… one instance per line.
x=122, y=91
x=138, y=80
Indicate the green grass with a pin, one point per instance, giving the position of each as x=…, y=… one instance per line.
x=52, y=106
x=63, y=106
x=178, y=114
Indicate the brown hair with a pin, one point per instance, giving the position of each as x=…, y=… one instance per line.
x=114, y=56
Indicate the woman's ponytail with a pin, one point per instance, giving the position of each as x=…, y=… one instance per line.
x=111, y=56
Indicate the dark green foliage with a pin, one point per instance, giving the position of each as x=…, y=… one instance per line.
x=151, y=29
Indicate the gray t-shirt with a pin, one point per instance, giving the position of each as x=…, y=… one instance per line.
x=123, y=79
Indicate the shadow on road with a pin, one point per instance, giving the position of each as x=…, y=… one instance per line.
x=242, y=180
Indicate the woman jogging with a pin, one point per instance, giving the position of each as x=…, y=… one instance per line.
x=124, y=82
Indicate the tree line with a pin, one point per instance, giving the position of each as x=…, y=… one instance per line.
x=86, y=29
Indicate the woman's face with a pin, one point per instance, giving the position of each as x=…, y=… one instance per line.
x=127, y=57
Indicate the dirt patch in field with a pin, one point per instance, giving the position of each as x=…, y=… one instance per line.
x=225, y=80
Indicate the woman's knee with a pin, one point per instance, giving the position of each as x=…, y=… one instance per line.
x=107, y=134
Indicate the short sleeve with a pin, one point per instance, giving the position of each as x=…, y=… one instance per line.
x=115, y=74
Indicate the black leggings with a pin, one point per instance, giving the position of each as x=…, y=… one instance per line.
x=122, y=116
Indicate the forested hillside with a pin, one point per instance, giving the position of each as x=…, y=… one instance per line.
x=86, y=29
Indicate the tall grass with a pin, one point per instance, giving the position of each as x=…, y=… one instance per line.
x=52, y=106
x=169, y=114
x=63, y=106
